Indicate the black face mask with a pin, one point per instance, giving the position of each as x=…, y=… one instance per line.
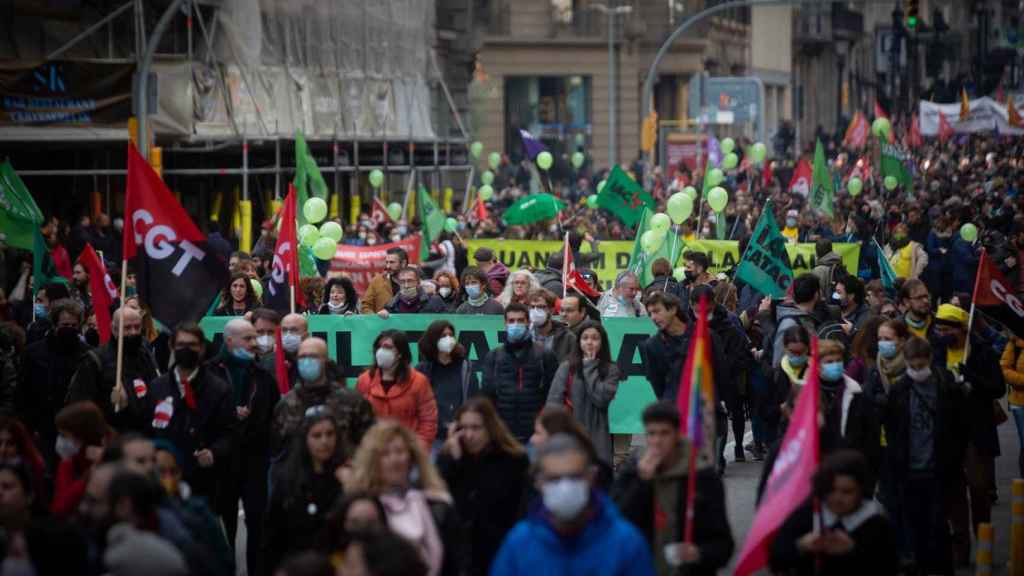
x=66, y=338
x=132, y=343
x=690, y=275
x=187, y=358
x=92, y=337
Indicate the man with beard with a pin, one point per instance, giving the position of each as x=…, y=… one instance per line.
x=80, y=281
x=916, y=304
x=95, y=377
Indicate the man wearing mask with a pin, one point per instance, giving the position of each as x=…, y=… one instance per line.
x=552, y=334
x=46, y=370
x=318, y=386
x=411, y=299
x=916, y=303
x=95, y=378
x=697, y=265
x=982, y=379
x=792, y=229
x=383, y=287
x=517, y=375
x=265, y=321
x=41, y=325
x=478, y=299
x=651, y=493
x=254, y=395
x=577, y=528
x=623, y=301
x=193, y=409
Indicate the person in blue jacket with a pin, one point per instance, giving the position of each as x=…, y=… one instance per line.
x=573, y=528
x=966, y=256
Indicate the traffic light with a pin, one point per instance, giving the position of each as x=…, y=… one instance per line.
x=910, y=11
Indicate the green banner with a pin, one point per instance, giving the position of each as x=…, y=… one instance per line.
x=349, y=341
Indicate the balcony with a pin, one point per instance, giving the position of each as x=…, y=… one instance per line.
x=825, y=24
x=846, y=24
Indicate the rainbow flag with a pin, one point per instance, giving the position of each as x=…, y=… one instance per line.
x=696, y=399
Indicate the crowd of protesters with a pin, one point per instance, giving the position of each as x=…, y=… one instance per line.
x=446, y=465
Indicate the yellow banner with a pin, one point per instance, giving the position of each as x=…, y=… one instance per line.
x=724, y=255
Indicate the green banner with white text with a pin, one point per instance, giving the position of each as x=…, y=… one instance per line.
x=349, y=340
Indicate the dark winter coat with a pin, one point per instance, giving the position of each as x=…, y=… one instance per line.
x=352, y=414
x=260, y=396
x=43, y=386
x=664, y=357
x=964, y=262
x=296, y=514
x=518, y=377
x=424, y=304
x=451, y=389
x=983, y=384
x=950, y=426
x=95, y=381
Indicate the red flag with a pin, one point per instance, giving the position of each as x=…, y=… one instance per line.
x=103, y=290
x=571, y=278
x=995, y=296
x=1012, y=115
x=280, y=364
x=1000, y=94
x=802, y=178
x=879, y=111
x=945, y=130
x=857, y=132
x=915, y=139
x=285, y=273
x=768, y=174
x=177, y=275
x=789, y=483
x=481, y=211
x=379, y=213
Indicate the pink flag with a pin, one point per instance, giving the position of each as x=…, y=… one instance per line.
x=789, y=484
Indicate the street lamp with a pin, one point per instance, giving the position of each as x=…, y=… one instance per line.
x=611, y=12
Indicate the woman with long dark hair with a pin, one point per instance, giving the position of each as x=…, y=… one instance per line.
x=305, y=487
x=238, y=297
x=340, y=297
x=586, y=384
x=444, y=363
x=486, y=470
x=397, y=390
x=17, y=448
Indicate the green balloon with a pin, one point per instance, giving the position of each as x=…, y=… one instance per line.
x=881, y=127
x=451, y=224
x=476, y=148
x=651, y=241
x=718, y=198
x=487, y=178
x=730, y=161
x=679, y=273
x=486, y=192
x=969, y=232
x=325, y=248
x=600, y=186
x=592, y=200
x=315, y=210
x=758, y=152
x=395, y=210
x=891, y=183
x=578, y=159
x=715, y=177
x=854, y=186
x=680, y=206
x=308, y=235
x=376, y=178
x=691, y=192
x=545, y=160
x=494, y=160
x=257, y=287
x=332, y=230
x=728, y=145
x=660, y=222
x=581, y=139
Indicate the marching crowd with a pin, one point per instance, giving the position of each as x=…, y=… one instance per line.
x=506, y=464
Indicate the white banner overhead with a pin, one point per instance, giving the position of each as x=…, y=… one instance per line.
x=987, y=115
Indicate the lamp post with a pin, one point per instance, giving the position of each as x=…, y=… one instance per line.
x=611, y=12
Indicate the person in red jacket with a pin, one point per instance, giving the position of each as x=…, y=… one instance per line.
x=82, y=432
x=397, y=390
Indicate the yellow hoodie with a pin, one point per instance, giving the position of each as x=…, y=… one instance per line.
x=1013, y=370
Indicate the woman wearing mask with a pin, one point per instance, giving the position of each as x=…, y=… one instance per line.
x=341, y=297
x=447, y=290
x=237, y=298
x=907, y=257
x=520, y=284
x=586, y=384
x=791, y=372
x=474, y=282
x=392, y=465
x=305, y=488
x=82, y=432
x=850, y=419
x=444, y=363
x=486, y=470
x=396, y=389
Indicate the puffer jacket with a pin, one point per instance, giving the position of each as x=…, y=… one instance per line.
x=518, y=378
x=410, y=401
x=1013, y=370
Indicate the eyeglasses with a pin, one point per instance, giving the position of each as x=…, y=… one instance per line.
x=315, y=411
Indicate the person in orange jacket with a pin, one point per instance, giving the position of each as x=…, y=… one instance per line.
x=1013, y=371
x=397, y=390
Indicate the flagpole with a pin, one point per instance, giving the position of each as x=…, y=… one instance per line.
x=119, y=366
x=291, y=297
x=974, y=296
x=691, y=493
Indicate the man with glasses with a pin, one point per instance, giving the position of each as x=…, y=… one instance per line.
x=193, y=409
x=624, y=300
x=916, y=303
x=411, y=299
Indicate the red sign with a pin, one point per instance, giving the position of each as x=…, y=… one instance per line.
x=361, y=263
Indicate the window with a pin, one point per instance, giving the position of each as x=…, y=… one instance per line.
x=562, y=11
x=554, y=109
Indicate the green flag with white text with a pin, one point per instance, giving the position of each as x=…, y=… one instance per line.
x=822, y=191
x=765, y=264
x=893, y=162
x=431, y=222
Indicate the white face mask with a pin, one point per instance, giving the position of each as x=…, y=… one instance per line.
x=538, y=317
x=919, y=375
x=444, y=291
x=385, y=358
x=446, y=344
x=265, y=343
x=291, y=342
x=65, y=447
x=565, y=498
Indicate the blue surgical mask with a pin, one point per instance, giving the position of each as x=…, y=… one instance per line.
x=832, y=371
x=796, y=361
x=242, y=354
x=310, y=369
x=791, y=222
x=516, y=332
x=887, y=349
x=473, y=291
x=39, y=310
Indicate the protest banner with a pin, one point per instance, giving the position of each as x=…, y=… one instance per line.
x=360, y=263
x=986, y=115
x=349, y=343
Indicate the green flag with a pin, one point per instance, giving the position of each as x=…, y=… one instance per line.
x=431, y=222
x=822, y=190
x=640, y=262
x=765, y=264
x=893, y=162
x=624, y=197
x=884, y=268
x=308, y=180
x=20, y=218
x=44, y=270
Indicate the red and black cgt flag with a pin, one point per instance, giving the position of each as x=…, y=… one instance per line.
x=994, y=296
x=285, y=272
x=177, y=274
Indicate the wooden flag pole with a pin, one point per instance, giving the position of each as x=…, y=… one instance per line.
x=118, y=391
